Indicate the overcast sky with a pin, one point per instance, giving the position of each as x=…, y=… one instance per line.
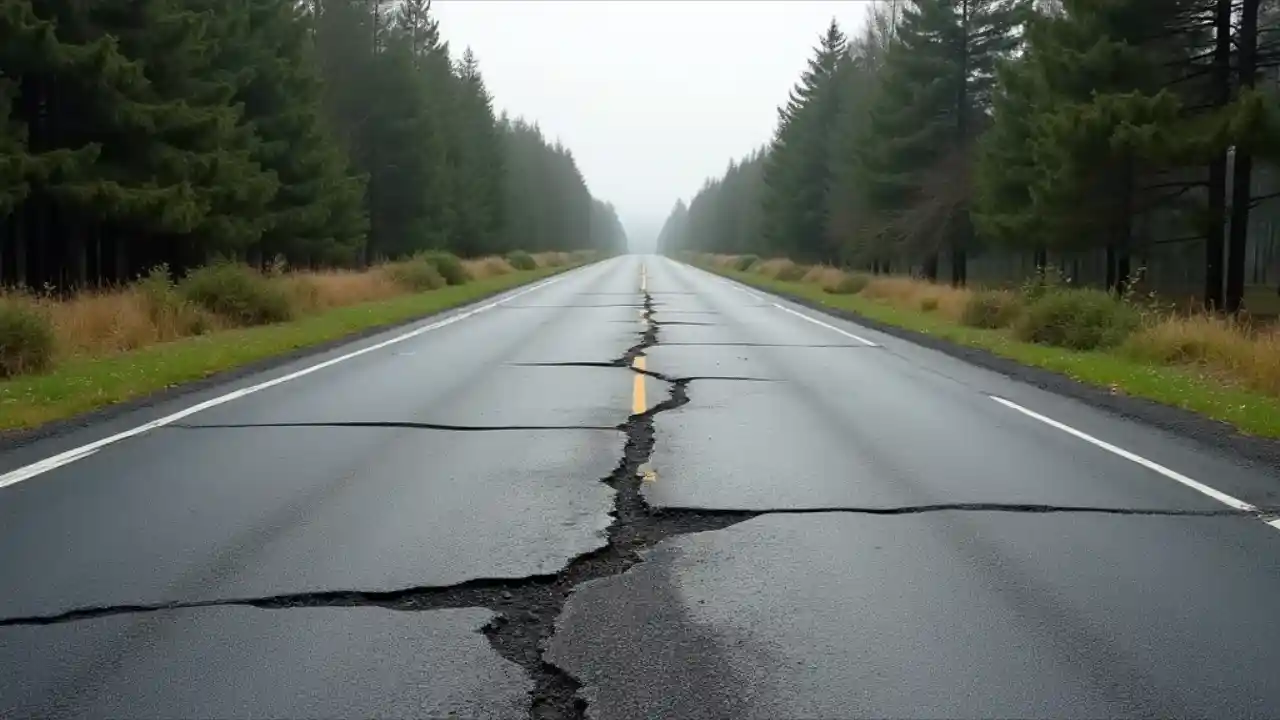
x=652, y=96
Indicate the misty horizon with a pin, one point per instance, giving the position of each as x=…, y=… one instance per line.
x=650, y=117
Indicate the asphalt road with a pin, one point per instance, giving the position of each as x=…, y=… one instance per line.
x=788, y=516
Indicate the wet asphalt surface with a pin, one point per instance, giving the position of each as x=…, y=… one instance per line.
x=798, y=519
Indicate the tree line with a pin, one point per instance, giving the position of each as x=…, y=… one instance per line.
x=317, y=132
x=949, y=129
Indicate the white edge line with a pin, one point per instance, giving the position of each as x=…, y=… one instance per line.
x=43, y=466
x=1200, y=487
x=802, y=316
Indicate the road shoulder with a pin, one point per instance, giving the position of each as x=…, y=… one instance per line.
x=18, y=437
x=1184, y=423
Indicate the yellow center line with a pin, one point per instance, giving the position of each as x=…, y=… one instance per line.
x=638, y=404
x=644, y=278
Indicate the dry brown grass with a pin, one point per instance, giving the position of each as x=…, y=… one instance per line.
x=774, y=267
x=1219, y=344
x=487, y=267
x=724, y=261
x=552, y=259
x=1229, y=348
x=317, y=291
x=823, y=275
x=912, y=294
x=107, y=322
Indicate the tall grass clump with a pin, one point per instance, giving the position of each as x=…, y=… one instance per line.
x=237, y=293
x=415, y=275
x=1078, y=319
x=448, y=265
x=521, y=260
x=27, y=338
x=850, y=284
x=991, y=309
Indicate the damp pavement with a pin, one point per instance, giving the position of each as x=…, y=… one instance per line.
x=636, y=490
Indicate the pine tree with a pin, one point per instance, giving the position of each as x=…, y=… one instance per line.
x=798, y=171
x=671, y=238
x=13, y=152
x=930, y=107
x=315, y=216
x=1085, y=132
x=477, y=161
x=857, y=77
x=138, y=132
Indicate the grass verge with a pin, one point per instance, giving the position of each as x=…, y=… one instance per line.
x=84, y=384
x=1188, y=387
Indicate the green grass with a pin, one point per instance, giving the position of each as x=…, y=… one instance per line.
x=1250, y=412
x=80, y=386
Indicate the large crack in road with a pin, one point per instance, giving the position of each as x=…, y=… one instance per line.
x=526, y=609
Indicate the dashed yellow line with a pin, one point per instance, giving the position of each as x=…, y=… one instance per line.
x=638, y=404
x=644, y=278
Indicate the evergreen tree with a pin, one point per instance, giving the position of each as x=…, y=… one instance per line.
x=138, y=132
x=476, y=162
x=797, y=174
x=13, y=152
x=929, y=108
x=315, y=216
x=672, y=238
x=852, y=216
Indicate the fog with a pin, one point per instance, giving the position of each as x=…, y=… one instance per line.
x=653, y=97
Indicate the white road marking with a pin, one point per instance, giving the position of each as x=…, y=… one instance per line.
x=1196, y=485
x=802, y=316
x=43, y=466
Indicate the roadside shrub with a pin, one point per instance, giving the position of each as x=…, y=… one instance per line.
x=851, y=284
x=172, y=315
x=744, y=262
x=928, y=304
x=26, y=338
x=1077, y=319
x=237, y=293
x=159, y=293
x=716, y=260
x=487, y=267
x=521, y=260
x=448, y=265
x=791, y=273
x=1050, y=278
x=551, y=259
x=772, y=267
x=415, y=275
x=991, y=309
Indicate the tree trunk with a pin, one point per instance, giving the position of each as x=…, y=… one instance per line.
x=77, y=260
x=959, y=266
x=930, y=268
x=1242, y=172
x=1215, y=242
x=961, y=240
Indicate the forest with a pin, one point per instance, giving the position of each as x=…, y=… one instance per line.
x=314, y=133
x=990, y=140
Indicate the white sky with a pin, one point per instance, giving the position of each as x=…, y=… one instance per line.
x=652, y=96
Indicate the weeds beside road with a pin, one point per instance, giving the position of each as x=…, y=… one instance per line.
x=1220, y=367
x=64, y=357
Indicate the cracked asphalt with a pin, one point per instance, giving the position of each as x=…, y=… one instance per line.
x=636, y=491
